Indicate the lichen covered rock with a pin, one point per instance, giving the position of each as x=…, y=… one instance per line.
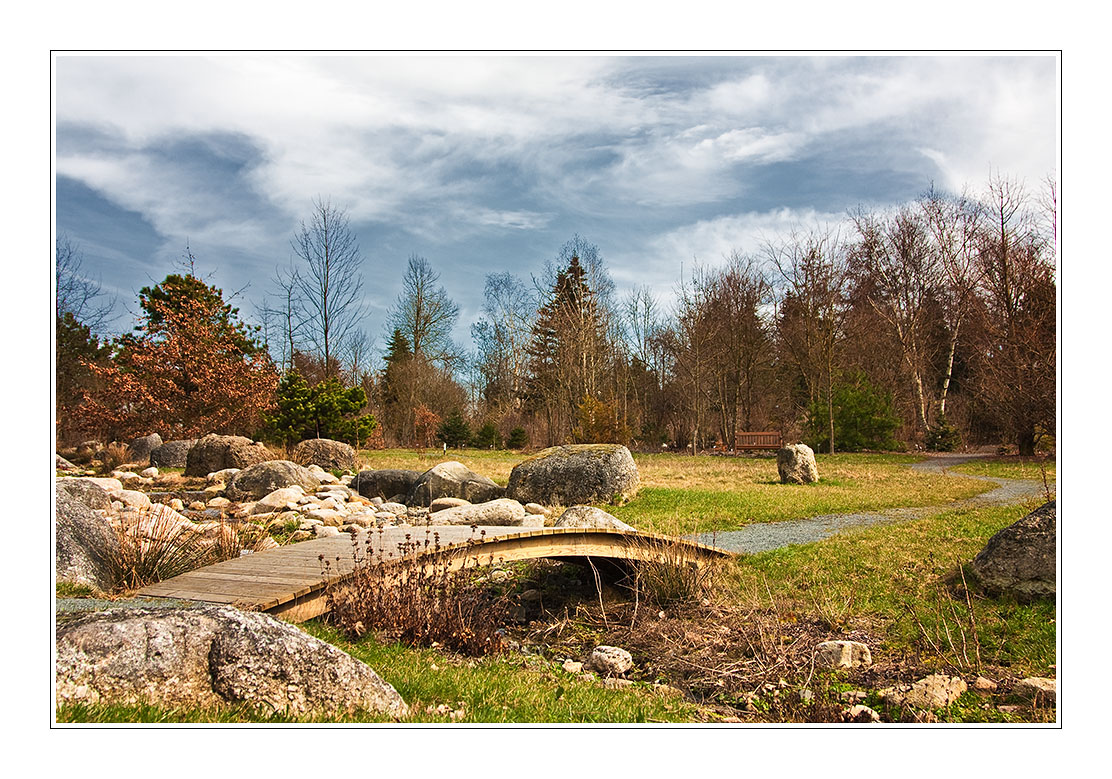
x=326, y=453
x=85, y=544
x=575, y=474
x=452, y=480
x=796, y=464
x=217, y=452
x=261, y=479
x=208, y=657
x=1021, y=560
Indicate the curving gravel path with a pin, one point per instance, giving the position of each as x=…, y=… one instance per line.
x=763, y=536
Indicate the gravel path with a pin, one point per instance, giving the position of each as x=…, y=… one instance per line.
x=763, y=536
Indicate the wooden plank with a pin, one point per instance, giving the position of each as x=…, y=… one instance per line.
x=290, y=580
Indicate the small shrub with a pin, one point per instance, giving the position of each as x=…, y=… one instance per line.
x=518, y=439
x=454, y=431
x=487, y=437
x=598, y=423
x=115, y=455
x=944, y=438
x=863, y=419
x=418, y=603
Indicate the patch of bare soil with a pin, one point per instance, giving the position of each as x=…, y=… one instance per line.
x=739, y=664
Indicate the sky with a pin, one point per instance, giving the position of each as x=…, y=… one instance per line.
x=486, y=164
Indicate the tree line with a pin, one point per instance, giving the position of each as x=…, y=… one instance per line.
x=928, y=325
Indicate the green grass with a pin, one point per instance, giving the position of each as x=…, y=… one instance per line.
x=877, y=578
x=1010, y=468
x=705, y=493
x=720, y=493
x=65, y=589
x=503, y=689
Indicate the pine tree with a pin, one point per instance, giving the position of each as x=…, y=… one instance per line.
x=567, y=351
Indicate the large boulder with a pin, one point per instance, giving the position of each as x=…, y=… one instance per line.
x=139, y=450
x=326, y=453
x=1021, y=559
x=591, y=517
x=217, y=452
x=87, y=491
x=209, y=657
x=452, y=480
x=173, y=454
x=796, y=464
x=501, y=511
x=258, y=481
x=576, y=473
x=85, y=544
x=384, y=483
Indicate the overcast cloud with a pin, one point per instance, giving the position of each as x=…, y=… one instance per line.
x=488, y=164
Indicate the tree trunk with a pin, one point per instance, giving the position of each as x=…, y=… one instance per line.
x=1027, y=442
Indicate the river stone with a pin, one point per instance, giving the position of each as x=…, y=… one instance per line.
x=447, y=503
x=172, y=454
x=88, y=492
x=139, y=450
x=1021, y=560
x=62, y=464
x=591, y=517
x=85, y=544
x=323, y=476
x=326, y=453
x=217, y=452
x=384, y=483
x=608, y=661
x=261, y=479
x=278, y=500
x=210, y=657
x=452, y=480
x=133, y=498
x=573, y=474
x=501, y=511
x=796, y=464
x=842, y=654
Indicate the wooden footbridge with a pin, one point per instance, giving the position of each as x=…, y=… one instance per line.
x=290, y=582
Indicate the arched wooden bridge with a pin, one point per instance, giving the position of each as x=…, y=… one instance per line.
x=290, y=582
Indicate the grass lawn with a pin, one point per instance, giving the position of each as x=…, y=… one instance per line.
x=898, y=581
x=681, y=494
x=1011, y=468
x=897, y=587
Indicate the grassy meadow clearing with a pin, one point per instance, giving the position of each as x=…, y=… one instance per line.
x=742, y=652
x=704, y=493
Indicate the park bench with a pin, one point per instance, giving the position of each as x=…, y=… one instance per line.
x=769, y=439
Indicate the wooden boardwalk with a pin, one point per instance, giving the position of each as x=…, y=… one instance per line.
x=290, y=581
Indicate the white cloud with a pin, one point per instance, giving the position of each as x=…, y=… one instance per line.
x=708, y=243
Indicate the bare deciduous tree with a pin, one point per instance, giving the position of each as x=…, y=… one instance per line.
x=813, y=272
x=330, y=284
x=424, y=314
x=75, y=293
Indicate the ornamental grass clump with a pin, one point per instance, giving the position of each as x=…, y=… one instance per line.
x=156, y=543
x=669, y=574
x=416, y=596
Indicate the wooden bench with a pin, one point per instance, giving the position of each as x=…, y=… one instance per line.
x=769, y=439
